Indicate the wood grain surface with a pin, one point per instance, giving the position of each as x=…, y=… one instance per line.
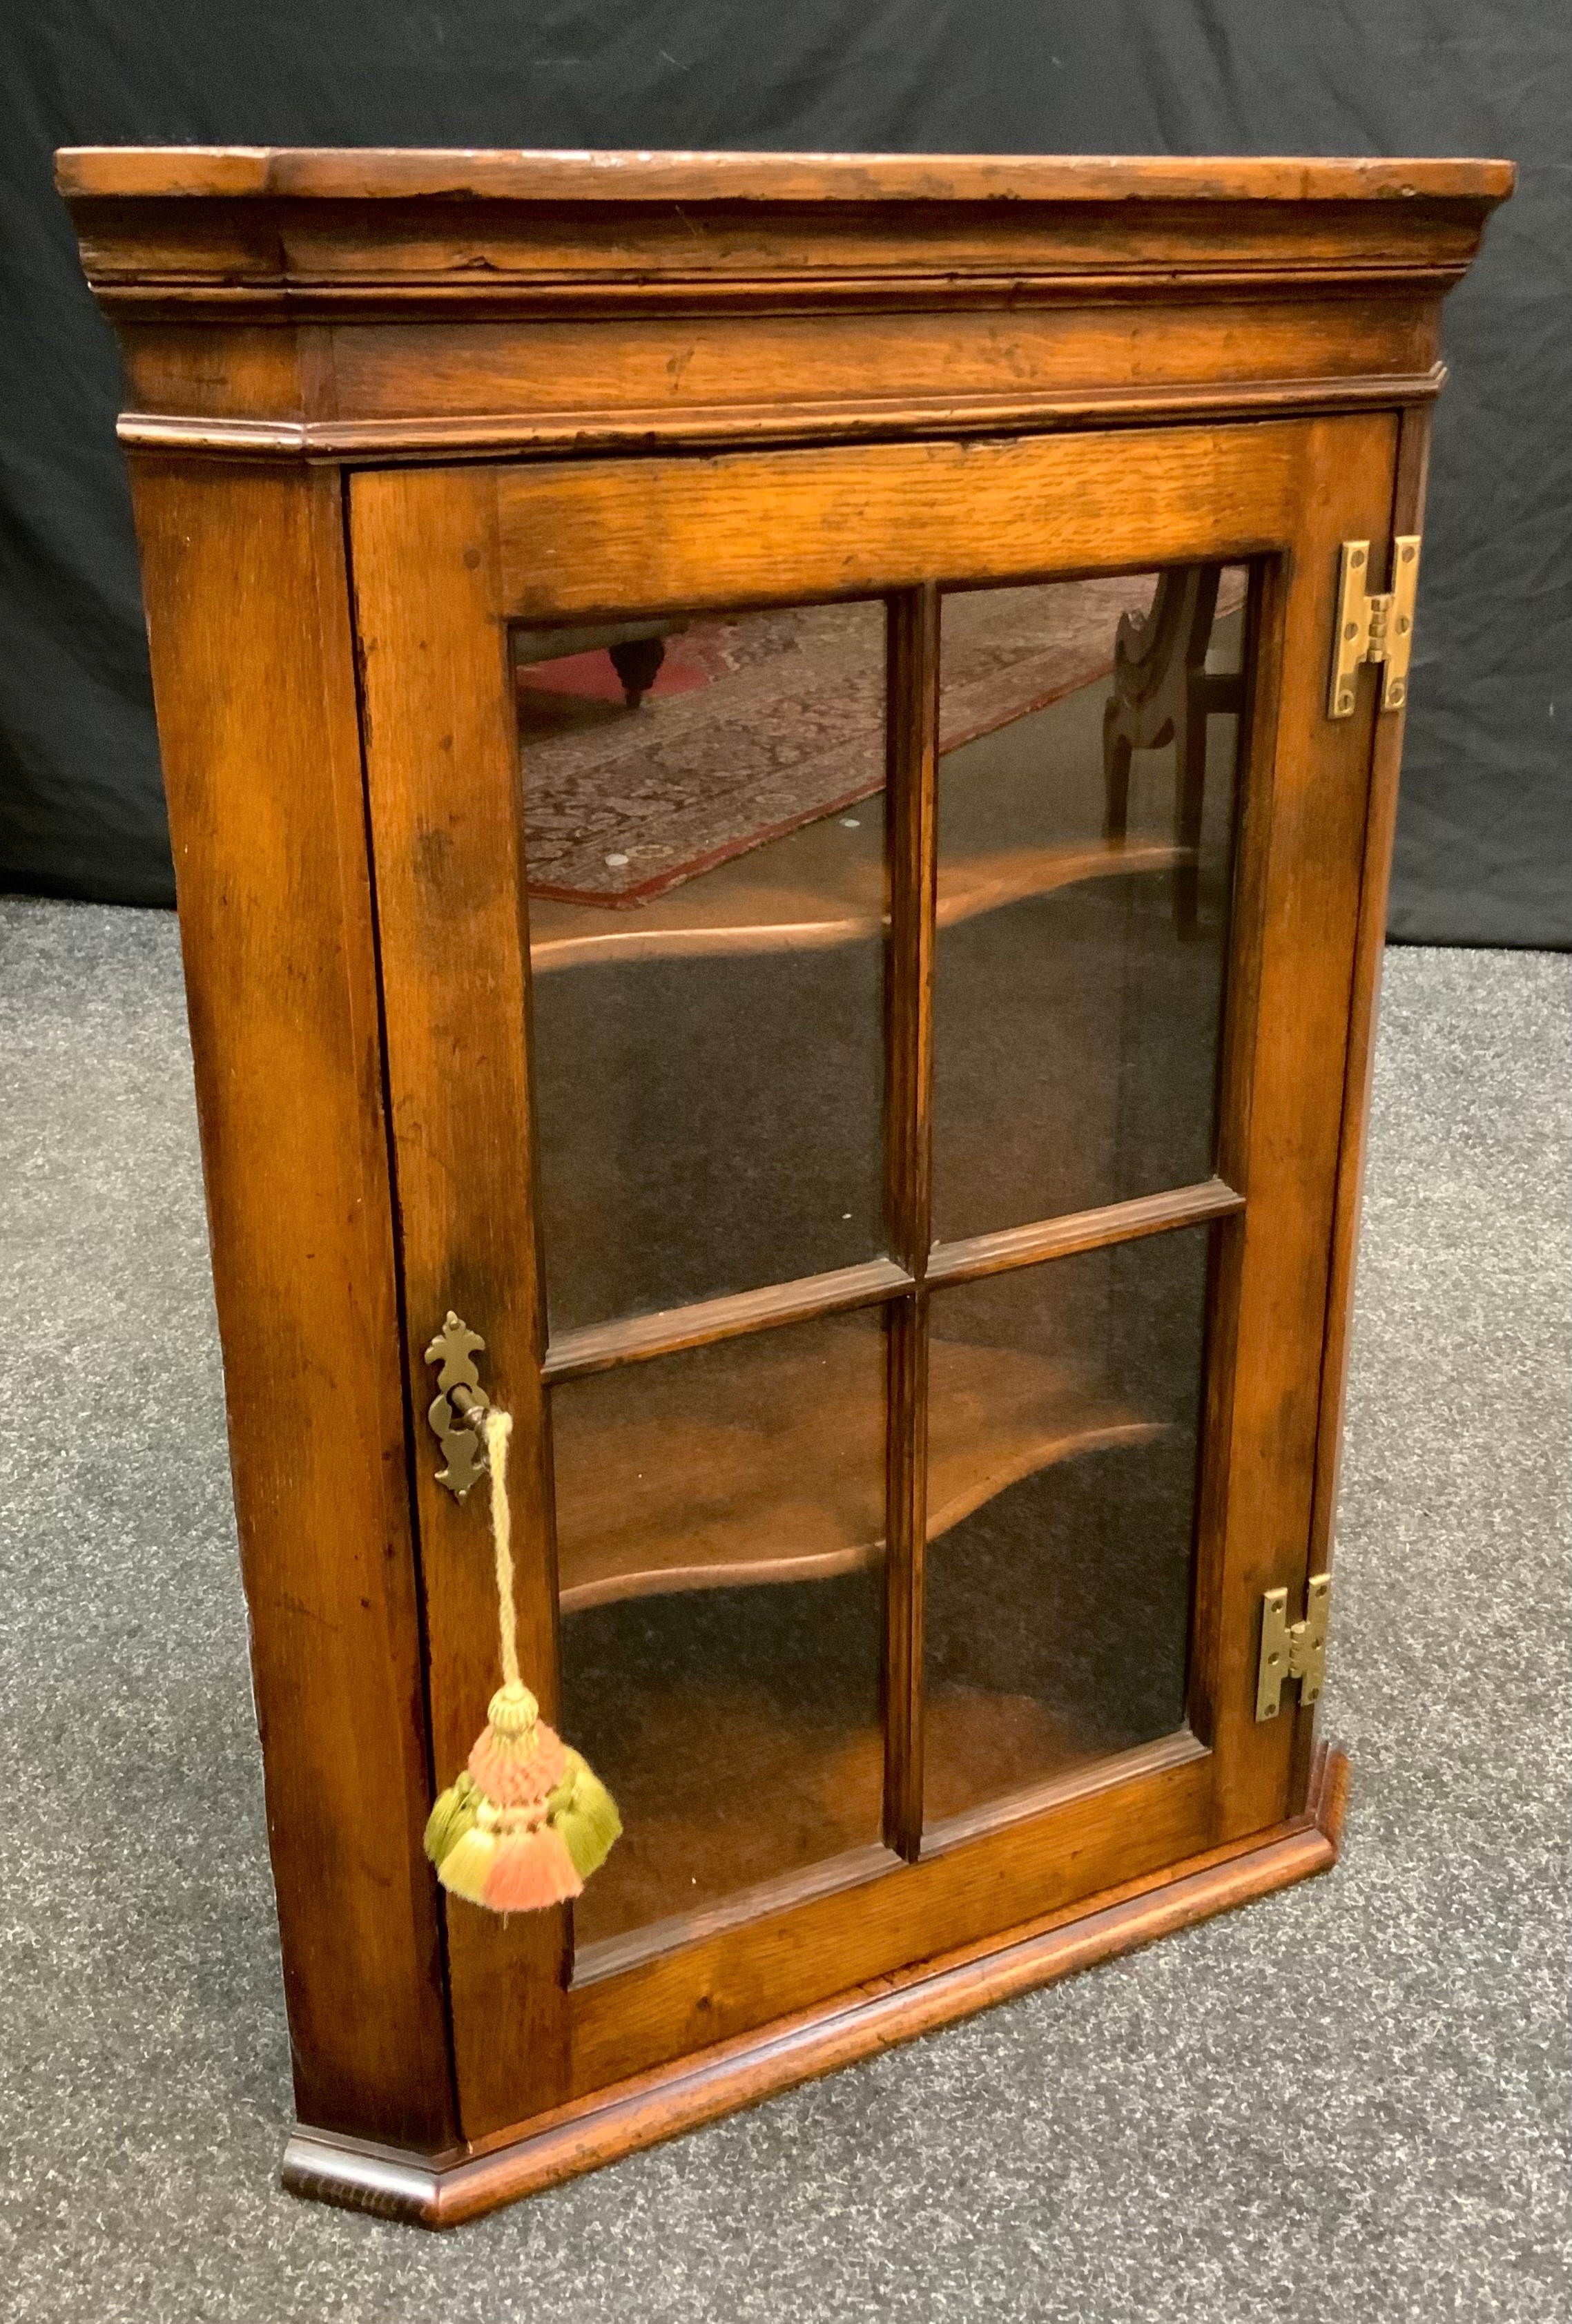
x=386, y=404
x=246, y=599
x=437, y=696
x=359, y=173
x=861, y=2023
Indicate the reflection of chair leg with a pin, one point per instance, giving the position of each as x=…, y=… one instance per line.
x=637, y=662
x=1162, y=694
x=1190, y=777
x=1115, y=775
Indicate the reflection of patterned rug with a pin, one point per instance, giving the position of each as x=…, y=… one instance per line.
x=765, y=722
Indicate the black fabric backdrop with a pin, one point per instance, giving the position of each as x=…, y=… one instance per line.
x=1484, y=840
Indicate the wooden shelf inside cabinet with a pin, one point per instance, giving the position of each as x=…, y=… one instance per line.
x=770, y=1466
x=1010, y=1749
x=750, y=914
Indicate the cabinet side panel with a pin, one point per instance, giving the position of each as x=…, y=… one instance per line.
x=248, y=620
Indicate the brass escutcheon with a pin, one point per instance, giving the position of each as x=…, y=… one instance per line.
x=460, y=1400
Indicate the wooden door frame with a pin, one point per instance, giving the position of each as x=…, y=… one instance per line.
x=442, y=561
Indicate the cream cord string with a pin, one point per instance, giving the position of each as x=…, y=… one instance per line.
x=499, y=1428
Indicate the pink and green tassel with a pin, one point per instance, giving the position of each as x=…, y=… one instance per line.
x=527, y=1821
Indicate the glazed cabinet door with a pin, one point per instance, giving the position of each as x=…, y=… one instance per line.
x=866, y=939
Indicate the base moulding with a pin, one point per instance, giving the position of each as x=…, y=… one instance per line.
x=443, y=2192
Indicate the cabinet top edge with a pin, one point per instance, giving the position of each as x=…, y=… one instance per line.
x=370, y=173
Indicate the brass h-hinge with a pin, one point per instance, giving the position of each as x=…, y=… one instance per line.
x=1374, y=628
x=1292, y=1650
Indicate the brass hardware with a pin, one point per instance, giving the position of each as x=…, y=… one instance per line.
x=1292, y=1650
x=1374, y=628
x=459, y=1399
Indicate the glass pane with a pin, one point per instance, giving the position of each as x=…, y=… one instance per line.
x=1064, y=1406
x=1083, y=913
x=704, y=827
x=720, y=1520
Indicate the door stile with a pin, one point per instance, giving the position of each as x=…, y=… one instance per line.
x=1408, y=512
x=1303, y=855
x=911, y=855
x=441, y=755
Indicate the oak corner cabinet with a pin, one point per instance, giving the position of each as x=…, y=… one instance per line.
x=782, y=775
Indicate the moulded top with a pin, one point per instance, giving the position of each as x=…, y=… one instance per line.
x=373, y=174
x=752, y=296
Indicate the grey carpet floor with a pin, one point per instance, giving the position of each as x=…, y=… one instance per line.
x=1346, y=2103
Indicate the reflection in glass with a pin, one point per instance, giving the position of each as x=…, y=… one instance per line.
x=1058, y=1587
x=1085, y=836
x=705, y=834
x=720, y=1519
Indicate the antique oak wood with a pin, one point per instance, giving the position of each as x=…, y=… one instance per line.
x=386, y=408
x=912, y=663
x=798, y=2047
x=277, y=927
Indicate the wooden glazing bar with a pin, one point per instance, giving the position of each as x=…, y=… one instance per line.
x=1260, y=661
x=1111, y=1223
x=633, y=1339
x=906, y=1503
x=911, y=848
